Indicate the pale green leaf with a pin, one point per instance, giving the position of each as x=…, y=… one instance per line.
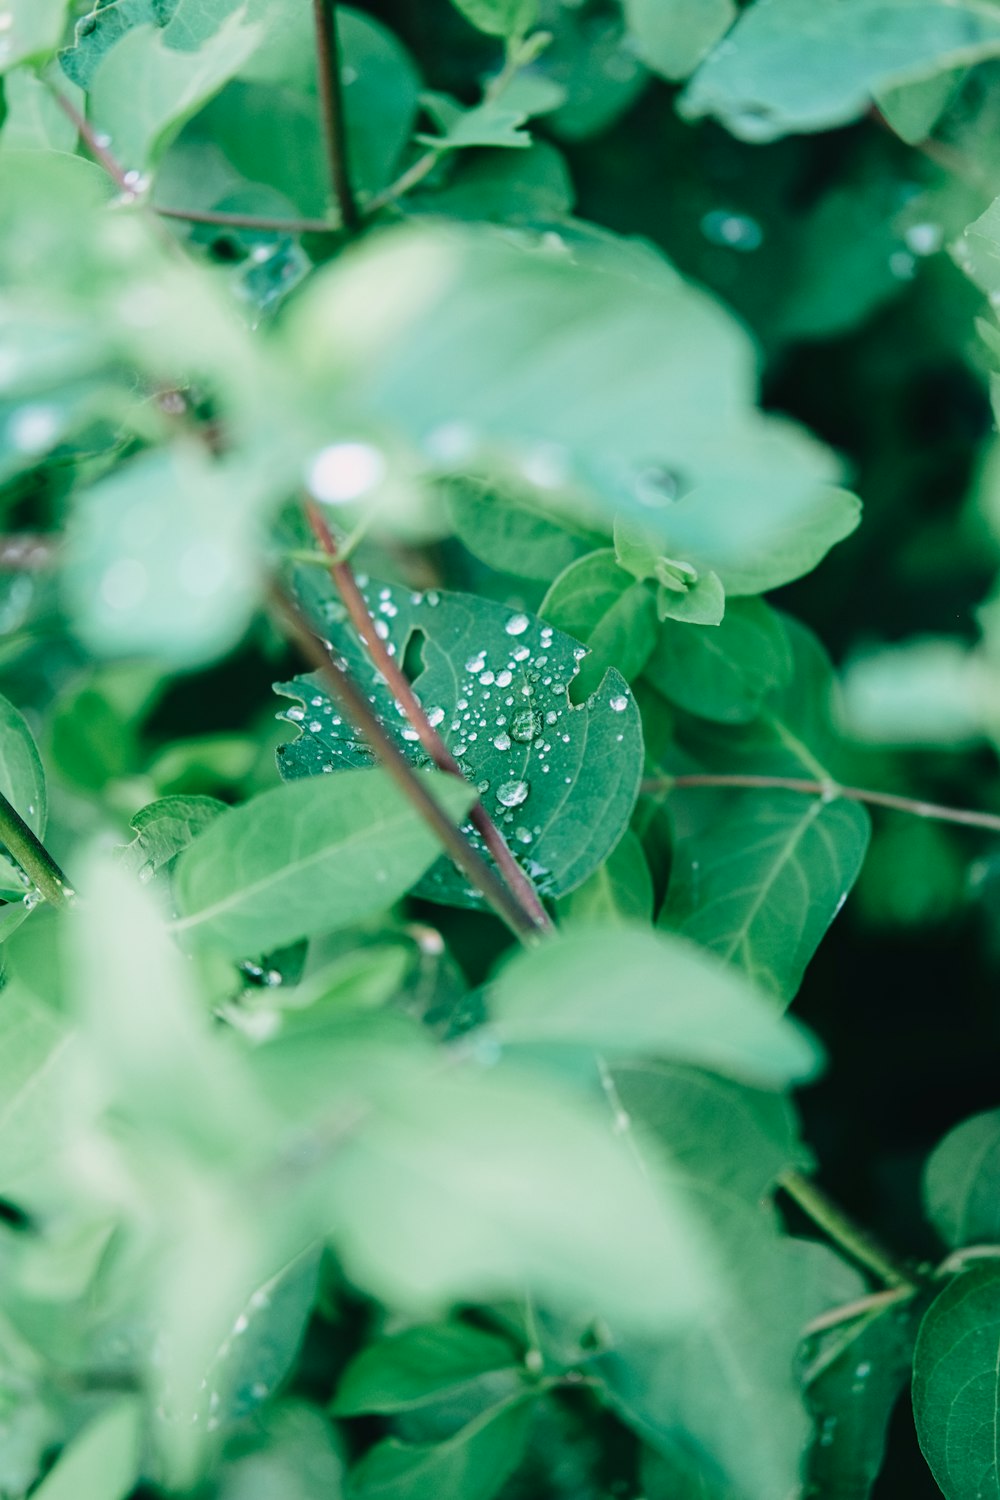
x=955, y=1385
x=145, y=89
x=306, y=858
x=614, y=615
x=962, y=1182
x=930, y=691
x=701, y=602
x=34, y=121
x=103, y=1462
x=36, y=1047
x=673, y=36
x=560, y=779
x=292, y=1453
x=511, y=531
x=913, y=109
x=33, y=29
x=760, y=886
x=22, y=781
x=632, y=991
x=792, y=66
x=417, y=1366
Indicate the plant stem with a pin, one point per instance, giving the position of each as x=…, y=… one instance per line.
x=967, y=817
x=34, y=859
x=346, y=585
x=264, y=222
x=366, y=721
x=411, y=178
x=853, y=1240
x=97, y=150
x=332, y=104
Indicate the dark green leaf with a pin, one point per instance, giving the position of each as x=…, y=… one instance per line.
x=559, y=779
x=612, y=614
x=512, y=532
x=304, y=859
x=955, y=1394
x=471, y=1465
x=962, y=1182
x=413, y=1368
x=621, y=890
x=723, y=674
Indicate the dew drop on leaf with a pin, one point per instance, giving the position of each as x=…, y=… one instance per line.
x=513, y=793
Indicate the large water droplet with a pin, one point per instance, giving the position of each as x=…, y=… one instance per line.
x=513, y=793
x=434, y=716
x=502, y=741
x=619, y=703
x=517, y=625
x=526, y=726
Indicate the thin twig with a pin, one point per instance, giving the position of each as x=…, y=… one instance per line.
x=850, y=1237
x=876, y=1302
x=331, y=96
x=354, y=601
x=33, y=857
x=967, y=817
x=95, y=145
x=404, y=183
x=264, y=222
x=366, y=721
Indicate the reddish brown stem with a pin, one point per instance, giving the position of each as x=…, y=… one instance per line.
x=346, y=585
x=264, y=222
x=967, y=817
x=332, y=104
x=357, y=708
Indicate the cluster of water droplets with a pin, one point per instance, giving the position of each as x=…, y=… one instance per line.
x=506, y=715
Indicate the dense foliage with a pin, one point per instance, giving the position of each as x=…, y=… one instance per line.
x=417, y=820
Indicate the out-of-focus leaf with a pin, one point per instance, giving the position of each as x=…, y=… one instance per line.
x=412, y=1368
x=674, y=35
x=164, y=828
x=631, y=991
x=472, y=1464
x=509, y=18
x=620, y=891
x=962, y=1182
x=103, y=1462
x=34, y=30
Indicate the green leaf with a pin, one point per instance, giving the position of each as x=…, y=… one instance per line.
x=304, y=859
x=22, y=782
x=913, y=109
x=145, y=88
x=629, y=990
x=97, y=32
x=723, y=674
x=761, y=886
x=160, y=561
x=103, y=1462
x=790, y=67
x=507, y=18
x=713, y=1129
x=700, y=602
x=854, y=1374
x=531, y=188
x=34, y=30
x=728, y=1387
x=962, y=1182
x=955, y=1395
x=292, y=1453
x=625, y=383
x=673, y=36
x=473, y=1464
x=621, y=890
x=417, y=1366
x=37, y=1069
x=33, y=120
x=930, y=691
x=559, y=779
x=164, y=828
x=493, y=123
x=511, y=531
x=614, y=615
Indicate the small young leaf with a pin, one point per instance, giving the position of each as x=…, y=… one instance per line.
x=164, y=828
x=507, y=18
x=962, y=1182
x=702, y=602
x=628, y=990
x=955, y=1396
x=611, y=613
x=306, y=858
x=412, y=1368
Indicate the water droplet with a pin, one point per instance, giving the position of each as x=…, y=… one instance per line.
x=485, y=679
x=517, y=625
x=657, y=485
x=527, y=725
x=295, y=713
x=504, y=679
x=864, y=1369
x=476, y=663
x=513, y=793
x=434, y=716
x=619, y=703
x=524, y=835
x=736, y=231
x=344, y=472
x=502, y=741
x=902, y=265
x=482, y=786
x=925, y=238
x=33, y=429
